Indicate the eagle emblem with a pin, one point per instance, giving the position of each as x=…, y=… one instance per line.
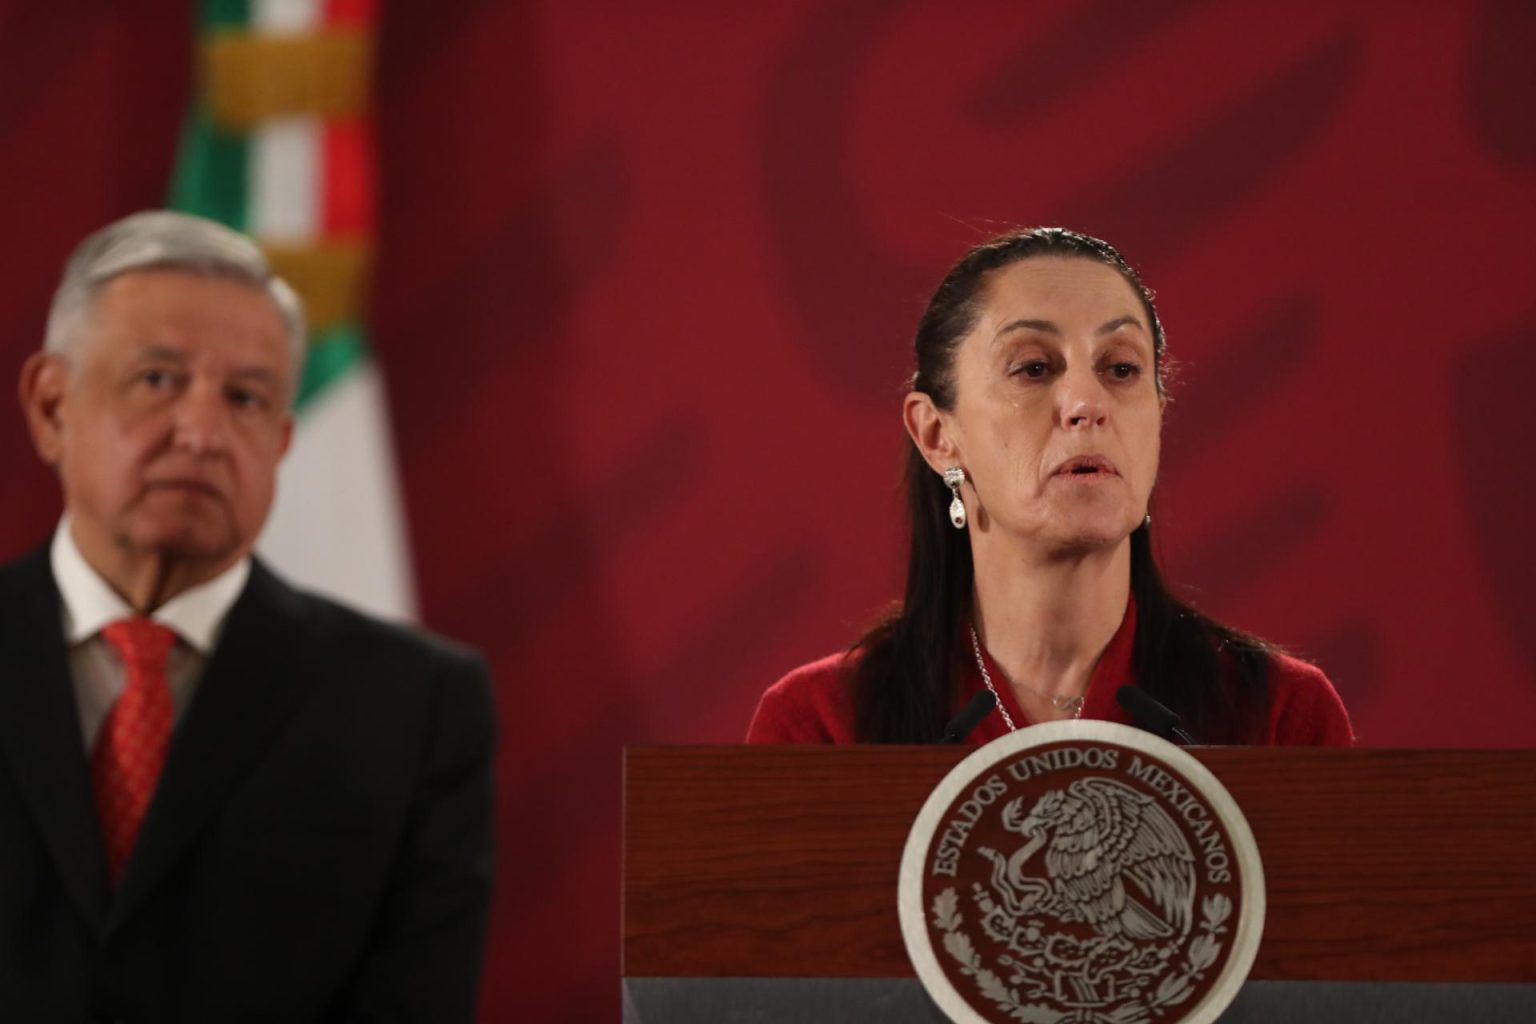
x=1095, y=904
x=1113, y=860
x=1081, y=873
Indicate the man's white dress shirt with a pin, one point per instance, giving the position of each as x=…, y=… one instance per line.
x=196, y=616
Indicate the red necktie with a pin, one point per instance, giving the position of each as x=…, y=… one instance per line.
x=130, y=750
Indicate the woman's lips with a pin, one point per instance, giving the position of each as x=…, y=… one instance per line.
x=1086, y=467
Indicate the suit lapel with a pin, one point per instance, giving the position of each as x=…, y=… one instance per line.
x=40, y=730
x=252, y=684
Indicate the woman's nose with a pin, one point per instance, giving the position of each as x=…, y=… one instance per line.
x=1081, y=400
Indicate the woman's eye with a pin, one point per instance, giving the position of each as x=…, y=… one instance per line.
x=156, y=379
x=1125, y=371
x=1034, y=369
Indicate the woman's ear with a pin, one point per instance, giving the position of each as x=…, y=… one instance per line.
x=930, y=429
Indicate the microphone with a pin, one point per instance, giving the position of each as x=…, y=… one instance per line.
x=969, y=717
x=1153, y=715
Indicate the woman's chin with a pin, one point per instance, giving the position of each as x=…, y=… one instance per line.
x=1064, y=532
x=1082, y=536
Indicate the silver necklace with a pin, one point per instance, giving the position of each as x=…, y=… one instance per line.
x=1072, y=704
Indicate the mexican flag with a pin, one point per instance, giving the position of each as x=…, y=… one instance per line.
x=279, y=144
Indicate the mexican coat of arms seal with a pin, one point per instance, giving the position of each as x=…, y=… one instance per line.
x=1081, y=873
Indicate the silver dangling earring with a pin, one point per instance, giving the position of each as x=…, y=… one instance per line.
x=954, y=476
x=1146, y=522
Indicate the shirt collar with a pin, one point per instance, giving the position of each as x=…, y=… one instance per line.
x=195, y=615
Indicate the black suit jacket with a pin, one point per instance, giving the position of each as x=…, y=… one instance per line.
x=318, y=847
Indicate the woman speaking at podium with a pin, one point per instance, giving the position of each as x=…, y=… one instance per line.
x=1036, y=416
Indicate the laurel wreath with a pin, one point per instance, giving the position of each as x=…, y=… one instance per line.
x=946, y=916
x=1202, y=953
x=1174, y=989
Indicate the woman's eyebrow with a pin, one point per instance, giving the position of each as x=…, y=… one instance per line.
x=1050, y=326
x=1119, y=322
x=1047, y=326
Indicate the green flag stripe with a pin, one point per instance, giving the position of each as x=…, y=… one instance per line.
x=333, y=353
x=210, y=176
x=225, y=14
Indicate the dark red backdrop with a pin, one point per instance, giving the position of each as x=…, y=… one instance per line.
x=648, y=275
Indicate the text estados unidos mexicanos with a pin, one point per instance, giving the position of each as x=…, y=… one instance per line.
x=1208, y=838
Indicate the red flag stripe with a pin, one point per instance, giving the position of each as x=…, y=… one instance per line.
x=351, y=12
x=347, y=173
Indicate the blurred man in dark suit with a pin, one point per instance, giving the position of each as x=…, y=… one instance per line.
x=221, y=799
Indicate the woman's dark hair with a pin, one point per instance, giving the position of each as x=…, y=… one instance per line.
x=1213, y=676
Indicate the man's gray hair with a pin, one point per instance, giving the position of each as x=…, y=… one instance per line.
x=164, y=240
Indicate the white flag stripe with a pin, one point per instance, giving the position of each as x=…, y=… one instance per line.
x=337, y=527
x=279, y=16
x=285, y=181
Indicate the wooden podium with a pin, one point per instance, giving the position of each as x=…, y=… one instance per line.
x=1398, y=866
